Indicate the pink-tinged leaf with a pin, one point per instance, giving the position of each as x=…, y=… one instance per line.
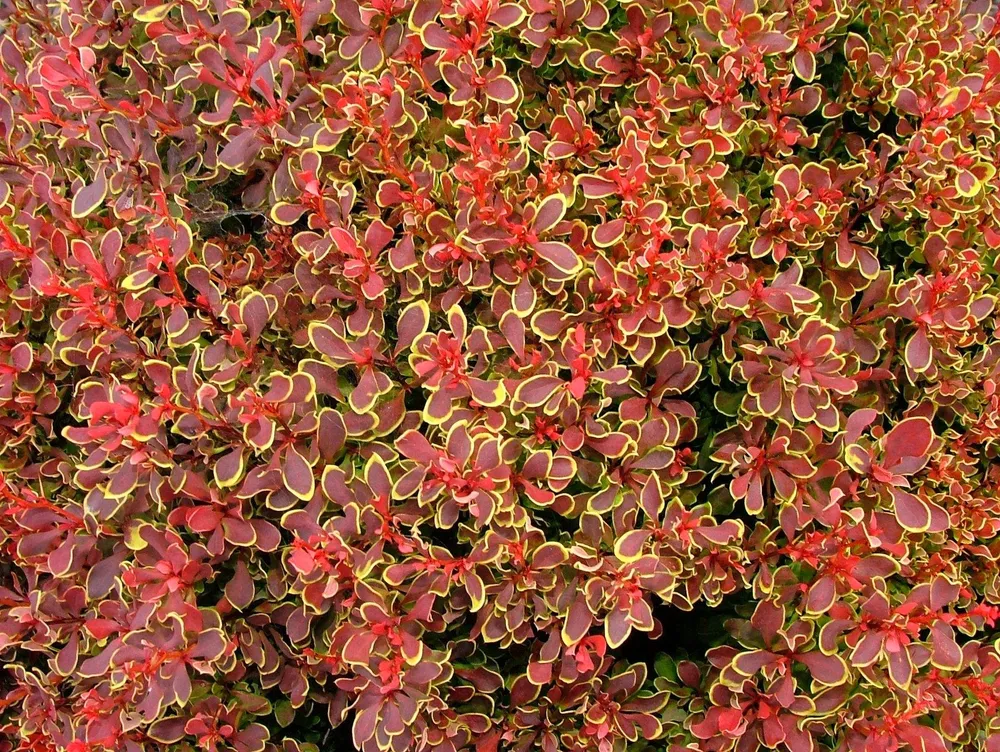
x=239, y=532
x=918, y=351
x=241, y=149
x=413, y=445
x=754, y=501
x=609, y=233
x=438, y=408
x=772, y=42
x=364, y=396
x=502, y=90
x=907, y=102
x=301, y=561
x=365, y=722
x=804, y=63
x=549, y=213
x=101, y=577
x=297, y=475
x=749, y=663
x=945, y=652
x=912, y=513
x=22, y=356
x=412, y=323
x=967, y=183
x=537, y=390
x=548, y=556
x=522, y=691
x=228, y=469
x=458, y=323
x=359, y=647
x=560, y=255
x=900, y=667
x=857, y=422
x=507, y=15
x=123, y=480
x=256, y=313
x=721, y=534
x=283, y=213
x=211, y=645
x=617, y=628
x=940, y=519
x=101, y=629
x=240, y=589
x=907, y=445
x=578, y=622
x=612, y=445
x=821, y=595
x=476, y=589
x=253, y=738
x=826, y=669
x=87, y=199
x=595, y=187
x=768, y=618
x=925, y=738
x=868, y=649
x=787, y=182
x=66, y=659
x=487, y=393
x=268, y=538
x=514, y=331
x=371, y=55
x=167, y=730
x=629, y=546
x=459, y=443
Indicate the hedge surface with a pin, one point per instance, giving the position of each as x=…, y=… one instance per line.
x=477, y=376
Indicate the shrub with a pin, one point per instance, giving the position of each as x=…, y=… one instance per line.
x=475, y=376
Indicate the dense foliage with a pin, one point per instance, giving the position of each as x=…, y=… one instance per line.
x=468, y=375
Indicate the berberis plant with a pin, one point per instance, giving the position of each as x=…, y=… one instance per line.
x=498, y=376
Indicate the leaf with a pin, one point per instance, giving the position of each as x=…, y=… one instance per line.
x=629, y=547
x=255, y=312
x=502, y=90
x=241, y=149
x=578, y=622
x=560, y=255
x=548, y=556
x=411, y=324
x=167, y=730
x=912, y=513
x=900, y=668
x=228, y=470
x=549, y=212
x=87, y=199
x=239, y=532
x=297, y=475
x=918, y=351
x=415, y=446
x=821, y=595
x=240, y=589
x=487, y=393
x=830, y=670
x=537, y=390
x=152, y=13
x=907, y=445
